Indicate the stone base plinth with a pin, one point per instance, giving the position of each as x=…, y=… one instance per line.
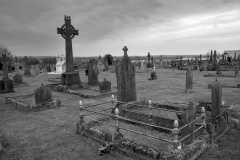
x=6, y=86
x=70, y=78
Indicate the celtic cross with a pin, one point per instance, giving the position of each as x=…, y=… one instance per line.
x=68, y=32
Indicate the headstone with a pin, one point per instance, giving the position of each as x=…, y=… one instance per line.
x=219, y=67
x=215, y=56
x=27, y=71
x=68, y=32
x=126, y=83
x=105, y=86
x=189, y=80
x=189, y=116
x=6, y=84
x=152, y=60
x=92, y=73
x=211, y=56
x=17, y=79
x=49, y=69
x=216, y=99
x=44, y=70
x=149, y=65
x=237, y=71
x=17, y=67
x=43, y=95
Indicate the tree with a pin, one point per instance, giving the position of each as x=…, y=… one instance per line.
x=5, y=50
x=109, y=59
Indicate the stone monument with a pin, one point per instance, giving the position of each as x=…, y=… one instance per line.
x=92, y=72
x=42, y=95
x=149, y=63
x=61, y=64
x=126, y=82
x=189, y=81
x=105, y=86
x=68, y=32
x=6, y=84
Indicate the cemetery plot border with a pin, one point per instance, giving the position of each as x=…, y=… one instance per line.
x=70, y=90
x=18, y=104
x=134, y=149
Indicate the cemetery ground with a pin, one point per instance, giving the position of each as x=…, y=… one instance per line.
x=50, y=133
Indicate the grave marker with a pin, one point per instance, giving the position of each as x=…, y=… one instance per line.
x=6, y=84
x=216, y=99
x=126, y=83
x=27, y=71
x=105, y=86
x=43, y=95
x=68, y=32
x=17, y=79
x=92, y=73
x=189, y=80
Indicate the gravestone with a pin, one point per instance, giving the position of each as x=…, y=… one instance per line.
x=17, y=67
x=152, y=59
x=216, y=99
x=189, y=80
x=105, y=86
x=215, y=56
x=189, y=116
x=43, y=95
x=27, y=71
x=35, y=71
x=149, y=65
x=126, y=82
x=211, y=56
x=86, y=72
x=17, y=79
x=219, y=68
x=44, y=70
x=49, y=69
x=6, y=84
x=68, y=32
x=92, y=73
x=100, y=66
x=237, y=71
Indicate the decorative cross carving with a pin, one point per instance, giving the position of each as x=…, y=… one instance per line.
x=125, y=49
x=68, y=32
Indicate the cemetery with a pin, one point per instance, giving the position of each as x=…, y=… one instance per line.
x=128, y=107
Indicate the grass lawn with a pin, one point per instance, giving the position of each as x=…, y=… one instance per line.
x=50, y=134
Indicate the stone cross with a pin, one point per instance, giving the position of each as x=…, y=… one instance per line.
x=126, y=82
x=154, y=68
x=68, y=32
x=148, y=56
x=5, y=67
x=216, y=99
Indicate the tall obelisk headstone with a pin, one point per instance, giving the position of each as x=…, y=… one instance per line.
x=68, y=32
x=149, y=65
x=189, y=80
x=6, y=84
x=126, y=82
x=216, y=99
x=92, y=72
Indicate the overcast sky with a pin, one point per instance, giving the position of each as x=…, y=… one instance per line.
x=161, y=27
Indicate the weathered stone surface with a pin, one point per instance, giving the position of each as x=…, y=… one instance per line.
x=27, y=71
x=68, y=32
x=126, y=83
x=92, y=73
x=189, y=80
x=44, y=70
x=43, y=95
x=70, y=78
x=105, y=86
x=17, y=79
x=216, y=99
x=6, y=84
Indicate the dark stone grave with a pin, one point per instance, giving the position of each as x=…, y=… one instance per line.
x=189, y=81
x=43, y=95
x=105, y=86
x=27, y=71
x=149, y=65
x=17, y=79
x=126, y=82
x=68, y=32
x=6, y=84
x=92, y=73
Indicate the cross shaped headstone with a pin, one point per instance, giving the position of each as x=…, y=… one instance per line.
x=5, y=67
x=149, y=56
x=68, y=32
x=154, y=68
x=125, y=49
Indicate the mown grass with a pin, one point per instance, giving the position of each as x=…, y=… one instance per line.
x=50, y=134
